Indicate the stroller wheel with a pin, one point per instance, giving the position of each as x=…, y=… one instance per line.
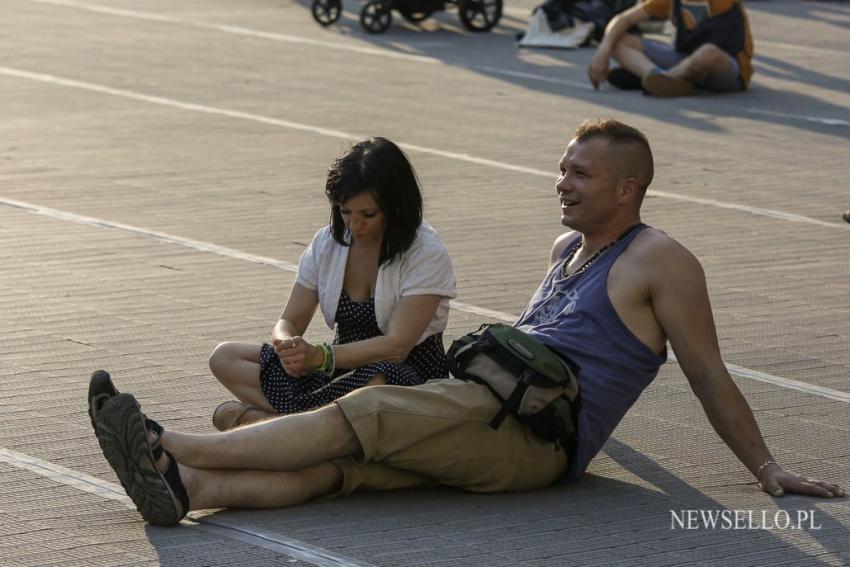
x=375, y=17
x=479, y=15
x=326, y=12
x=414, y=16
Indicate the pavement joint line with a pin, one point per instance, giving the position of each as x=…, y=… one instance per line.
x=787, y=383
x=173, y=103
x=240, y=30
x=230, y=529
x=383, y=52
x=201, y=246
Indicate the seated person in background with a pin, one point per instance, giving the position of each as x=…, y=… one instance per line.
x=379, y=274
x=713, y=49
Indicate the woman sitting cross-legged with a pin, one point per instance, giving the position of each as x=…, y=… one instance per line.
x=380, y=275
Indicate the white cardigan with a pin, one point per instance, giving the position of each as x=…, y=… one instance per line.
x=424, y=269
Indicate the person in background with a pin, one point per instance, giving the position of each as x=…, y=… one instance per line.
x=712, y=50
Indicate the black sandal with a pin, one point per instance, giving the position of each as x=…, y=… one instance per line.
x=122, y=431
x=101, y=389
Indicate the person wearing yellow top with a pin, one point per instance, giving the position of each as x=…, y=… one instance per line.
x=712, y=50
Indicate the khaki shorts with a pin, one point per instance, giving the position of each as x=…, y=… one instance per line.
x=439, y=434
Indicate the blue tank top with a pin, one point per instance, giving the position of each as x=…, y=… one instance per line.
x=574, y=316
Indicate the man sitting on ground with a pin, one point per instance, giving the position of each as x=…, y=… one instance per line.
x=713, y=49
x=617, y=290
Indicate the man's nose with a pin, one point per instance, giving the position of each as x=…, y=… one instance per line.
x=562, y=186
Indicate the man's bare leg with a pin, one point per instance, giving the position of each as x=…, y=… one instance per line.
x=286, y=443
x=258, y=489
x=208, y=488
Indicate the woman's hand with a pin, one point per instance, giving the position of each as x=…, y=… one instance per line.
x=777, y=482
x=298, y=357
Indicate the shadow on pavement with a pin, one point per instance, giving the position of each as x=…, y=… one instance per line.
x=565, y=524
x=682, y=496
x=443, y=38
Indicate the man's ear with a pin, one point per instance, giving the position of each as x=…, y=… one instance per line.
x=629, y=190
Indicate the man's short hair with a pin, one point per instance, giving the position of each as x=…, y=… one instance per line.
x=636, y=157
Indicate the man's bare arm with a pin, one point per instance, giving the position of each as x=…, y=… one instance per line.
x=681, y=305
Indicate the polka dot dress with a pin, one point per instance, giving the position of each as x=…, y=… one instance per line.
x=355, y=321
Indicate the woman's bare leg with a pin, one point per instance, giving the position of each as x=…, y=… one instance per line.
x=285, y=443
x=237, y=366
x=377, y=380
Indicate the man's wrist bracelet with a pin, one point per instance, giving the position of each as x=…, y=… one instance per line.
x=762, y=467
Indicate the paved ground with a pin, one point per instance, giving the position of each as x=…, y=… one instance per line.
x=209, y=122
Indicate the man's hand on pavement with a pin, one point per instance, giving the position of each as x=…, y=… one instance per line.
x=776, y=481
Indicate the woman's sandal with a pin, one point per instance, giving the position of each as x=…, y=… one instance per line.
x=227, y=415
x=122, y=430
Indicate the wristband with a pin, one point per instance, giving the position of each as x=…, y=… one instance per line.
x=331, y=360
x=325, y=356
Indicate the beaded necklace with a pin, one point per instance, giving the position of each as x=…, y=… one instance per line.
x=593, y=257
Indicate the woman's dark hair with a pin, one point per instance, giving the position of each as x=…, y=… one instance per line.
x=380, y=167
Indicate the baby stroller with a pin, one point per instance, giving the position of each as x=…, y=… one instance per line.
x=376, y=15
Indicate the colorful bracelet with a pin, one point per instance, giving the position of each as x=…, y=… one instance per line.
x=323, y=367
x=331, y=361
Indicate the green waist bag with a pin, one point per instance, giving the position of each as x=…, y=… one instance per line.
x=534, y=384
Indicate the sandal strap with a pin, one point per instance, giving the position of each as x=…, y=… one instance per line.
x=156, y=445
x=152, y=425
x=172, y=477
